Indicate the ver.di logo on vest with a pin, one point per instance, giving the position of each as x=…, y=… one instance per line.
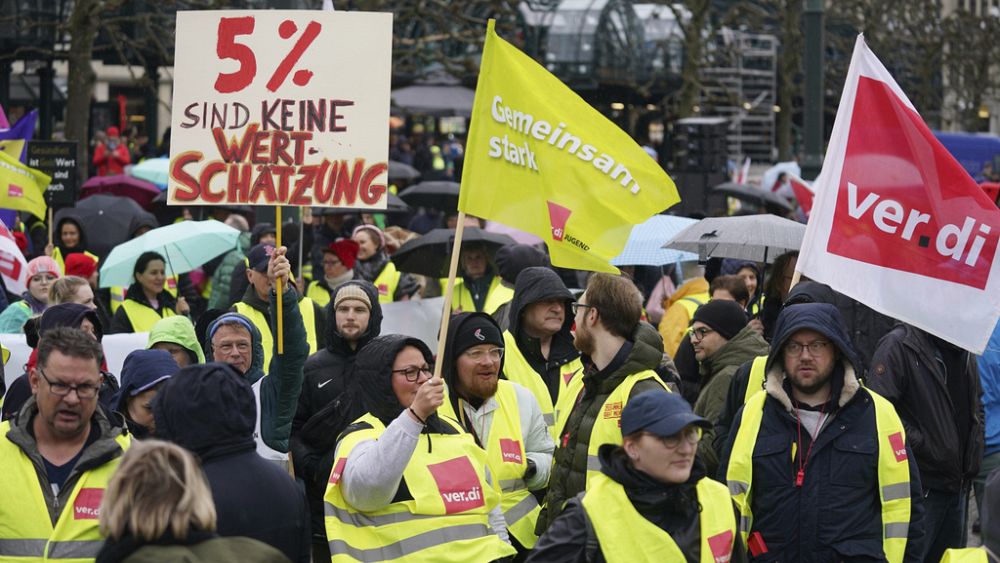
x=510, y=451
x=87, y=505
x=458, y=485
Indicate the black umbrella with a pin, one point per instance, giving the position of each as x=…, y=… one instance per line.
x=395, y=205
x=402, y=171
x=106, y=219
x=430, y=255
x=750, y=194
x=436, y=195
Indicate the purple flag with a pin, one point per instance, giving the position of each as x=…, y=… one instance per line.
x=23, y=129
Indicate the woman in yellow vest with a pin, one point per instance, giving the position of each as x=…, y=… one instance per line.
x=146, y=300
x=70, y=239
x=652, y=501
x=407, y=484
x=373, y=265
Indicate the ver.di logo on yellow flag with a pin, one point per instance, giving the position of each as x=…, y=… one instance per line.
x=540, y=159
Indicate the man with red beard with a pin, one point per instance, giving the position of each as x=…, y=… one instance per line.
x=503, y=417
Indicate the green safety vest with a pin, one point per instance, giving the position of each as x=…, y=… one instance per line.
x=625, y=536
x=446, y=521
x=893, y=472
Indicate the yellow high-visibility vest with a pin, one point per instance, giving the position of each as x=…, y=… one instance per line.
x=27, y=533
x=517, y=369
x=387, y=282
x=447, y=520
x=508, y=462
x=625, y=536
x=893, y=472
x=755, y=382
x=496, y=295
x=143, y=317
x=318, y=293
x=264, y=326
x=965, y=555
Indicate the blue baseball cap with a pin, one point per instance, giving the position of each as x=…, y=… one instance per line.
x=660, y=413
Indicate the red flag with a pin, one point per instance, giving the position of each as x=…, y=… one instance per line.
x=897, y=223
x=803, y=193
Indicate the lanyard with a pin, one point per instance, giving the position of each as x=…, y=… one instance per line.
x=800, y=477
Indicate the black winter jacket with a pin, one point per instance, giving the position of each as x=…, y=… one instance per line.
x=210, y=410
x=908, y=369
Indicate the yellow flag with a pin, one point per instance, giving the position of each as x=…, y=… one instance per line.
x=540, y=159
x=22, y=188
x=13, y=147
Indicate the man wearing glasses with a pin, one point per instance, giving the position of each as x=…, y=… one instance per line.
x=818, y=466
x=503, y=417
x=58, y=454
x=619, y=356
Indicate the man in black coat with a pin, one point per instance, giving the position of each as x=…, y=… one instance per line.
x=935, y=387
x=210, y=410
x=354, y=318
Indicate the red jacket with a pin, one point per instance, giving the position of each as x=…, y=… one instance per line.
x=111, y=162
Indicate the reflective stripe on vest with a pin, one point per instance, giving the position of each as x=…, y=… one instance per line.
x=755, y=381
x=142, y=317
x=607, y=427
x=447, y=519
x=517, y=369
x=966, y=555
x=27, y=533
x=508, y=462
x=387, y=282
x=496, y=295
x=893, y=471
x=318, y=293
x=625, y=536
x=264, y=326
x=692, y=302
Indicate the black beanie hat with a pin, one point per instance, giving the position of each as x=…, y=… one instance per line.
x=474, y=331
x=725, y=317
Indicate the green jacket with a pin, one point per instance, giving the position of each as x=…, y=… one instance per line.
x=245, y=550
x=177, y=330
x=716, y=374
x=222, y=278
x=569, y=464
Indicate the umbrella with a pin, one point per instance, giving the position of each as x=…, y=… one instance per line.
x=753, y=195
x=153, y=170
x=106, y=219
x=437, y=195
x=186, y=246
x=430, y=255
x=518, y=235
x=402, y=171
x=440, y=100
x=645, y=243
x=760, y=238
x=395, y=205
x=140, y=191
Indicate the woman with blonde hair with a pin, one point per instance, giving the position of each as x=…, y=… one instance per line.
x=72, y=289
x=158, y=507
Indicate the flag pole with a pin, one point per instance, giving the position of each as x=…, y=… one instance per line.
x=280, y=285
x=51, y=226
x=456, y=247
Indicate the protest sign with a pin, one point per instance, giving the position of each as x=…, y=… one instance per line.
x=542, y=160
x=57, y=159
x=897, y=223
x=281, y=108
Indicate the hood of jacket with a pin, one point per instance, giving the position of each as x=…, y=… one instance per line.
x=810, y=292
x=697, y=286
x=64, y=314
x=533, y=285
x=826, y=320
x=257, y=367
x=208, y=409
x=335, y=343
x=448, y=371
x=371, y=376
x=746, y=345
x=177, y=330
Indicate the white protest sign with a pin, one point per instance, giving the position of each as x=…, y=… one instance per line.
x=281, y=108
x=419, y=318
x=116, y=347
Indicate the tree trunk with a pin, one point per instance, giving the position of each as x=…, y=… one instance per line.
x=693, y=57
x=82, y=27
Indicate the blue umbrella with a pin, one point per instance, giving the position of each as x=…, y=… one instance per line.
x=644, y=246
x=185, y=245
x=153, y=170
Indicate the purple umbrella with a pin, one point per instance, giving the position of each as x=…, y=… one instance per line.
x=140, y=191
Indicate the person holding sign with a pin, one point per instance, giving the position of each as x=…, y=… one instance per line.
x=373, y=265
x=405, y=480
x=147, y=300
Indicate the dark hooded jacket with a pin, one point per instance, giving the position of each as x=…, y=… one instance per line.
x=81, y=246
x=210, y=410
x=540, y=284
x=672, y=508
x=935, y=388
x=279, y=392
x=836, y=514
x=511, y=260
x=642, y=351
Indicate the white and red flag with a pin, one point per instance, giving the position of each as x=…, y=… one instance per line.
x=13, y=266
x=803, y=193
x=897, y=223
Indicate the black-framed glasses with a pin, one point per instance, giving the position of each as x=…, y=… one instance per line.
x=412, y=373
x=793, y=348
x=697, y=334
x=691, y=435
x=83, y=391
x=494, y=354
x=575, y=306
